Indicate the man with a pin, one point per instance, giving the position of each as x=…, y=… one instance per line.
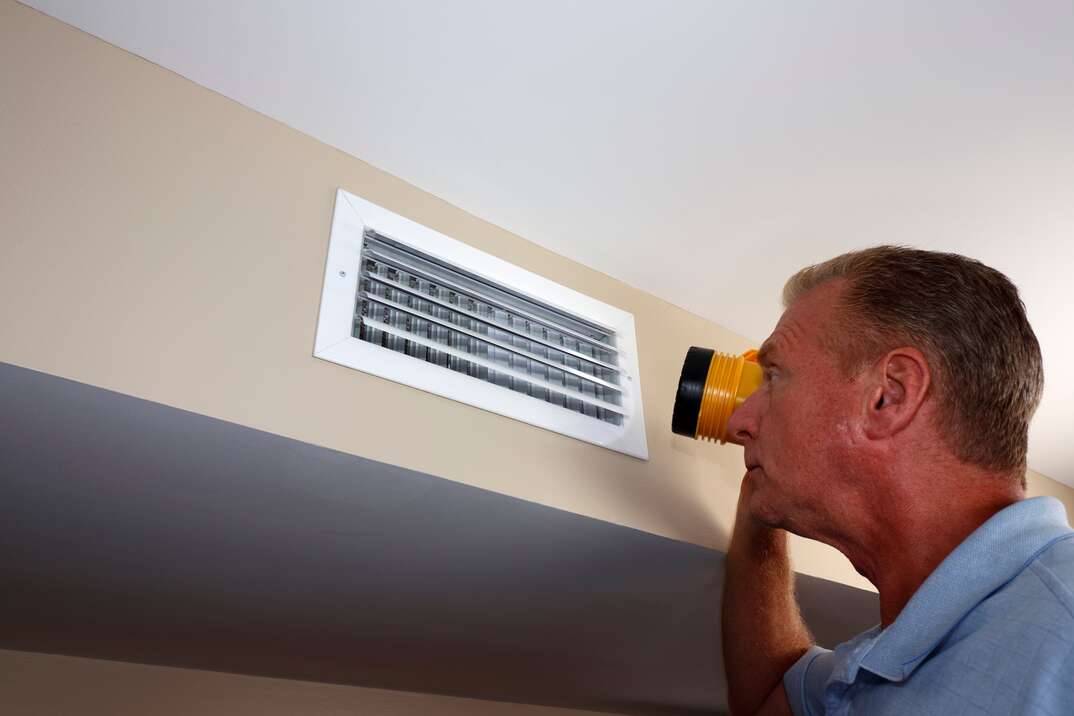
x=892, y=424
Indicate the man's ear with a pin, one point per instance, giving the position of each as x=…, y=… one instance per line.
x=901, y=382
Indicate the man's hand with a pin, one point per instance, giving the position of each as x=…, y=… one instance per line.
x=763, y=632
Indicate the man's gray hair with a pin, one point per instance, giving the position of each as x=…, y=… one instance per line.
x=968, y=321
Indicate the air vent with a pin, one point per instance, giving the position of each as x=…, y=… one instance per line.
x=406, y=303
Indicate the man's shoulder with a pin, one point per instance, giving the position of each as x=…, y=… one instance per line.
x=1014, y=652
x=1054, y=567
x=1037, y=601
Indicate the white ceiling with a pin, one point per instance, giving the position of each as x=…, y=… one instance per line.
x=701, y=151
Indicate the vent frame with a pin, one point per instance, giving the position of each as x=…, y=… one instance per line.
x=334, y=342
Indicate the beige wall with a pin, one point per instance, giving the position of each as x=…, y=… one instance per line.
x=163, y=241
x=1040, y=485
x=48, y=685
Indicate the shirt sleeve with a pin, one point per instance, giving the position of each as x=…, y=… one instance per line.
x=805, y=681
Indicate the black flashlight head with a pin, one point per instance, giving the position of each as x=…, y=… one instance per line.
x=695, y=370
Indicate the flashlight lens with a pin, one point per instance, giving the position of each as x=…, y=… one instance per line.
x=695, y=370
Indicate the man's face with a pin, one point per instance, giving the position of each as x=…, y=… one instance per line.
x=800, y=427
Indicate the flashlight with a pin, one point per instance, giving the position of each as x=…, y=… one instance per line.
x=712, y=385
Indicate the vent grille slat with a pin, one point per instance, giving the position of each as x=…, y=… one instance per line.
x=426, y=297
x=471, y=335
x=402, y=265
x=421, y=307
x=393, y=338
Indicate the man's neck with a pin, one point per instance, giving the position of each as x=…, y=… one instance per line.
x=918, y=525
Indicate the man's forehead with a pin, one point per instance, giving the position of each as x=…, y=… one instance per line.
x=797, y=323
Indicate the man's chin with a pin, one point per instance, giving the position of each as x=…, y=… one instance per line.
x=764, y=513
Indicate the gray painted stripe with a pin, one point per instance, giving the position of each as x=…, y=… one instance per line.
x=135, y=531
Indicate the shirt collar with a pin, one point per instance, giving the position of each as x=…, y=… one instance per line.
x=991, y=556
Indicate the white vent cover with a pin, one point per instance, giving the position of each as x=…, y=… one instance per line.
x=407, y=303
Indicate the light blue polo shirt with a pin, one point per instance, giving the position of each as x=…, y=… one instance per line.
x=991, y=631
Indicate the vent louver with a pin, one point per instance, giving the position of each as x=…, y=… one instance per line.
x=416, y=305
x=406, y=303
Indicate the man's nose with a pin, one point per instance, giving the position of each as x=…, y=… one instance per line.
x=742, y=424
